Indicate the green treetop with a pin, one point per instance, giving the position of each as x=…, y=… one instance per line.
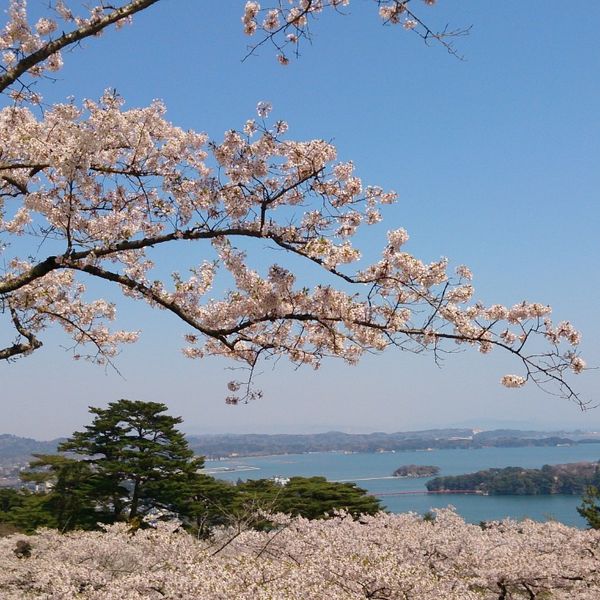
x=139, y=459
x=309, y=497
x=590, y=507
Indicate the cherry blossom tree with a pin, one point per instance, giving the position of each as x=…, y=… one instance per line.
x=381, y=556
x=99, y=190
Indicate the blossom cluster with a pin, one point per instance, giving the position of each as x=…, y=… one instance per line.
x=383, y=556
x=58, y=299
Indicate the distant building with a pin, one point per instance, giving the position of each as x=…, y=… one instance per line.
x=282, y=481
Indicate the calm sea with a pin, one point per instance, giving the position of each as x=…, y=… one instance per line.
x=373, y=473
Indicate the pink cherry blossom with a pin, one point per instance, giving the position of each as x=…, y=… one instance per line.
x=382, y=556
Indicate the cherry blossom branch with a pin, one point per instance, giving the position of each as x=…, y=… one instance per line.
x=51, y=263
x=533, y=367
x=112, y=201
x=12, y=74
x=86, y=335
x=288, y=24
x=150, y=294
x=392, y=12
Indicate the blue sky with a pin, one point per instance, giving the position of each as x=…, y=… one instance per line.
x=495, y=159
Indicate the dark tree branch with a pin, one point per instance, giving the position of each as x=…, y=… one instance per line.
x=20, y=349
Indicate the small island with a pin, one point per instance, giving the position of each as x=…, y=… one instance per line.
x=571, y=478
x=416, y=471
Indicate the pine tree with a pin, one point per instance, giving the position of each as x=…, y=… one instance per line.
x=69, y=498
x=590, y=507
x=138, y=457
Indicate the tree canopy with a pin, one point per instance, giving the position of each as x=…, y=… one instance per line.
x=94, y=186
x=308, y=497
x=69, y=496
x=137, y=455
x=130, y=461
x=590, y=507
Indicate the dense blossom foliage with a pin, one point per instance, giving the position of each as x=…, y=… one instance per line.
x=100, y=191
x=383, y=556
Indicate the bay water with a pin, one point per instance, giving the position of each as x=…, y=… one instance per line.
x=373, y=472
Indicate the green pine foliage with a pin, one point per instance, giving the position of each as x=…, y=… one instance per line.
x=70, y=501
x=24, y=511
x=309, y=497
x=590, y=507
x=139, y=459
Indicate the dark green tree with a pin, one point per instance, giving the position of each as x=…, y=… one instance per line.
x=138, y=458
x=590, y=507
x=309, y=497
x=208, y=503
x=315, y=497
x=23, y=510
x=32, y=514
x=10, y=498
x=132, y=459
x=71, y=495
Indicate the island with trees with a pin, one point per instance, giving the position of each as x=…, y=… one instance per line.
x=572, y=478
x=416, y=471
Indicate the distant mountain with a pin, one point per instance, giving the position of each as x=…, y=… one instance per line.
x=261, y=444
x=220, y=445
x=19, y=449
x=14, y=449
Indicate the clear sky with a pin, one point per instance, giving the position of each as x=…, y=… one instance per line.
x=495, y=158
